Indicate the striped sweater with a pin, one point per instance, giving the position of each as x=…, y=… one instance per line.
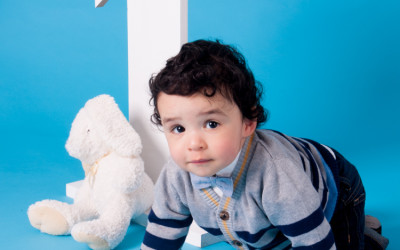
x=284, y=196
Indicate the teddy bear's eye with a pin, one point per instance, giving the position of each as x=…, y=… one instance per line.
x=88, y=131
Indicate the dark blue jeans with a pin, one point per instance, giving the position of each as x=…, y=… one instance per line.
x=348, y=220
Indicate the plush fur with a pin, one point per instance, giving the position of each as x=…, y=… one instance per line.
x=115, y=188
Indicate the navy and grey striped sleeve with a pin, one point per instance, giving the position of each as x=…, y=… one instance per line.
x=169, y=219
x=312, y=232
x=165, y=233
x=292, y=204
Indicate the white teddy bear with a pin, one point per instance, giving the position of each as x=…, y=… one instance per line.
x=115, y=188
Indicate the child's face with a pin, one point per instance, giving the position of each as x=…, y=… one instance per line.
x=204, y=134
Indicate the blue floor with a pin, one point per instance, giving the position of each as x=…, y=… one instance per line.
x=36, y=167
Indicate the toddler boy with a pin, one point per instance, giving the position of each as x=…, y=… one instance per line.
x=256, y=189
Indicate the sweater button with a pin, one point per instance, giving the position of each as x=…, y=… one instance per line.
x=237, y=243
x=224, y=215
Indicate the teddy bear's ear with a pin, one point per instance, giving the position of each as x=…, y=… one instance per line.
x=112, y=126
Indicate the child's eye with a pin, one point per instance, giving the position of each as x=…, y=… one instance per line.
x=178, y=129
x=212, y=124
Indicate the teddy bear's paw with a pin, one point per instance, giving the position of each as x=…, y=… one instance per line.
x=48, y=220
x=93, y=241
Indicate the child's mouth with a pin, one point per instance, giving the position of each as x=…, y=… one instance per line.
x=201, y=161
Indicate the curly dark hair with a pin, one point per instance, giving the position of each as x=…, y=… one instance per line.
x=207, y=67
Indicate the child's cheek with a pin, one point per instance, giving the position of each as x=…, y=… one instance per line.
x=177, y=153
x=227, y=150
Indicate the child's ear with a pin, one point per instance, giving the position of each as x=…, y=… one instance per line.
x=249, y=126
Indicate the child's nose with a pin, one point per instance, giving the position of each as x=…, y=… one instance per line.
x=196, y=142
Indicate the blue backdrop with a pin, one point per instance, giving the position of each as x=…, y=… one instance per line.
x=55, y=55
x=330, y=70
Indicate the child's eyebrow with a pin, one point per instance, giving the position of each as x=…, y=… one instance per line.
x=169, y=120
x=216, y=111
x=212, y=112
